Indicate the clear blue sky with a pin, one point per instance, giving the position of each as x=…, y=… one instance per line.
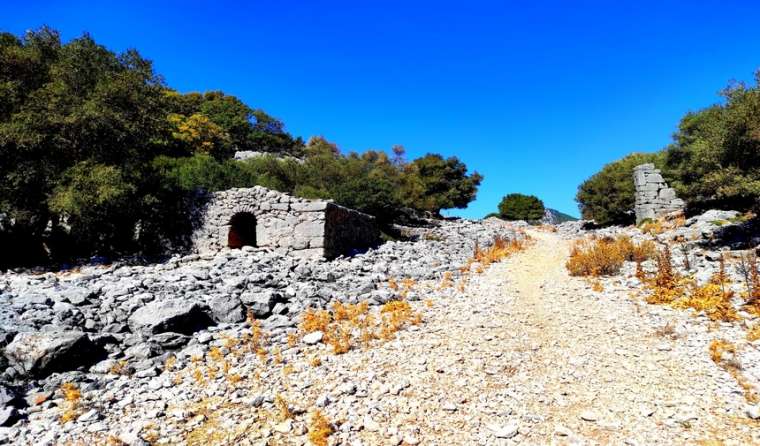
x=535, y=95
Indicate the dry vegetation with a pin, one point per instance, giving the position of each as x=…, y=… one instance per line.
x=724, y=354
x=655, y=227
x=347, y=325
x=320, y=429
x=712, y=298
x=71, y=400
x=605, y=256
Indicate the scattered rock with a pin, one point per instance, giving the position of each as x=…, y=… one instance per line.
x=41, y=353
x=314, y=337
x=589, y=415
x=169, y=315
x=508, y=430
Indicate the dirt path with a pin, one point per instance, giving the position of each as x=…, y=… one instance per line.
x=533, y=356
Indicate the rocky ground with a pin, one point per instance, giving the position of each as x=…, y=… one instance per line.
x=515, y=353
x=88, y=326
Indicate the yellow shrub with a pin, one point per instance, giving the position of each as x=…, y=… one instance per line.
x=319, y=429
x=605, y=257
x=282, y=407
x=315, y=320
x=500, y=249
x=339, y=337
x=718, y=347
x=595, y=258
x=71, y=397
x=754, y=333
x=667, y=286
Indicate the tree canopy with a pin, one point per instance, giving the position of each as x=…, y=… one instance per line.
x=521, y=207
x=99, y=156
x=713, y=161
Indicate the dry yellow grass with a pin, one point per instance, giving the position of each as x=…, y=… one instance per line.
x=315, y=320
x=446, y=281
x=119, y=367
x=338, y=337
x=71, y=398
x=718, y=350
x=710, y=298
x=320, y=429
x=605, y=257
x=723, y=353
x=748, y=266
x=344, y=322
x=753, y=334
x=283, y=409
x=668, y=287
x=499, y=249
x=655, y=227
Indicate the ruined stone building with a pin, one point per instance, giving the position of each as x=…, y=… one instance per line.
x=653, y=196
x=266, y=218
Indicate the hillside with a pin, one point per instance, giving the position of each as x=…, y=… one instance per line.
x=555, y=217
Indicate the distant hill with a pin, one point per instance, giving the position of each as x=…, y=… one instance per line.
x=551, y=217
x=554, y=217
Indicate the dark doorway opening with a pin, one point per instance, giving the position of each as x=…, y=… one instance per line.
x=242, y=230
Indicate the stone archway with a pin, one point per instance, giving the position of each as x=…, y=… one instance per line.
x=242, y=230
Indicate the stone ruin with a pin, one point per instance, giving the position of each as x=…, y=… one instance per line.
x=262, y=217
x=653, y=196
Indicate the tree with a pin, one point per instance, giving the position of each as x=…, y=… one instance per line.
x=95, y=195
x=715, y=156
x=713, y=162
x=99, y=156
x=608, y=196
x=201, y=134
x=432, y=183
x=521, y=207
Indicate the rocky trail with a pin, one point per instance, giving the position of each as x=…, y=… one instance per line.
x=533, y=356
x=522, y=354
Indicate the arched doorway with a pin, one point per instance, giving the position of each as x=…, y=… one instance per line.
x=242, y=230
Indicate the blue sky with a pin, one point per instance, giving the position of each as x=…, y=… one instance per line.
x=536, y=96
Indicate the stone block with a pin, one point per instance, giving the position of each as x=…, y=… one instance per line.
x=653, y=197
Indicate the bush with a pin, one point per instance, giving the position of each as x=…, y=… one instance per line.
x=713, y=162
x=521, y=207
x=605, y=257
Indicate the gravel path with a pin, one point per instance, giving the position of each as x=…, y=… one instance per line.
x=533, y=356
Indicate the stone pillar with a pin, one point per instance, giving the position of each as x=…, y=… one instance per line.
x=653, y=196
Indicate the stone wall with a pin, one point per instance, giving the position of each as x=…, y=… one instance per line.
x=348, y=231
x=286, y=224
x=653, y=196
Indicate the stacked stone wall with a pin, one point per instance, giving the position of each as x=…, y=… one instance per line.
x=348, y=231
x=653, y=196
x=286, y=224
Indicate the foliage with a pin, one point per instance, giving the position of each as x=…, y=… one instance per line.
x=432, y=183
x=607, y=197
x=99, y=157
x=715, y=156
x=521, y=207
x=713, y=161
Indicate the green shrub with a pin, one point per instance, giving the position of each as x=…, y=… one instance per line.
x=521, y=207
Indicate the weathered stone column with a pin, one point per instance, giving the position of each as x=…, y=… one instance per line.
x=653, y=196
